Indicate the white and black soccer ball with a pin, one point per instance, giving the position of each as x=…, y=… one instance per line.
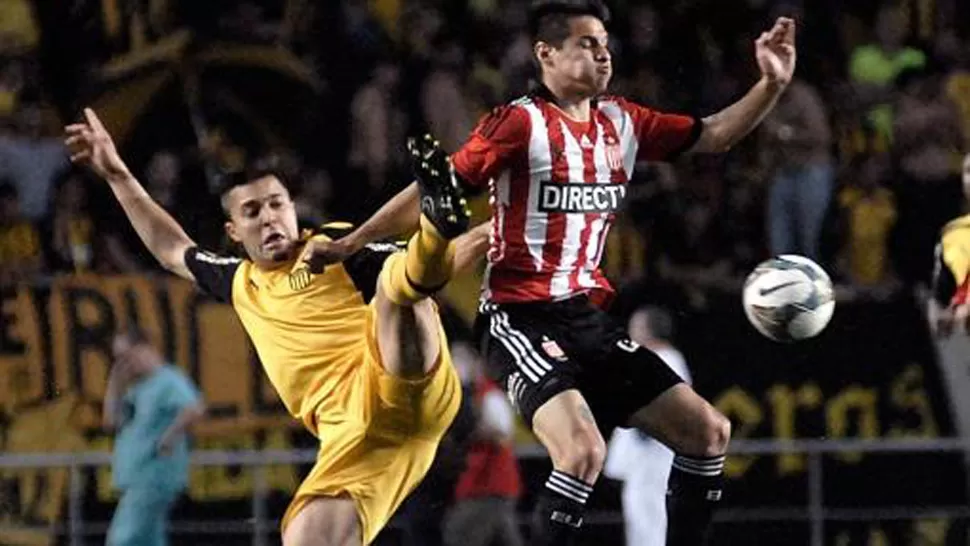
x=788, y=298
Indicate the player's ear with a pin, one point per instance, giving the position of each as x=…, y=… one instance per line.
x=232, y=232
x=543, y=52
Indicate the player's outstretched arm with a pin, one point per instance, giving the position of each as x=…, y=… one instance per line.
x=776, y=56
x=401, y=215
x=91, y=145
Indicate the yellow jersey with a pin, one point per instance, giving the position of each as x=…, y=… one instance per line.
x=871, y=219
x=951, y=276
x=308, y=329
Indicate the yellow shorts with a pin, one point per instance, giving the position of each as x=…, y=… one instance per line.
x=382, y=446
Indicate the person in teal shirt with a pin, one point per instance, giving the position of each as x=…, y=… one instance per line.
x=150, y=405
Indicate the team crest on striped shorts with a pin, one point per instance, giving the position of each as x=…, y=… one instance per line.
x=553, y=349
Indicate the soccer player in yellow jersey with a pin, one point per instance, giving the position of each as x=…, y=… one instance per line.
x=951, y=272
x=355, y=349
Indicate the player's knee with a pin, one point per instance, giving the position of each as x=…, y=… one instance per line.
x=584, y=455
x=714, y=434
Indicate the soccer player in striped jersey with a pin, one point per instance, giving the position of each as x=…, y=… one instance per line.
x=556, y=163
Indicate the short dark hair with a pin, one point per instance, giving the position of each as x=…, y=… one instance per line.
x=549, y=19
x=232, y=180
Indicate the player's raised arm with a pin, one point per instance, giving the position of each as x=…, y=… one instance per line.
x=776, y=55
x=398, y=216
x=91, y=145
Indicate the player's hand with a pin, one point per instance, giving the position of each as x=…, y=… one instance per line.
x=319, y=253
x=775, y=52
x=90, y=144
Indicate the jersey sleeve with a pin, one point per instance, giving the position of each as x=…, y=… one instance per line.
x=499, y=136
x=364, y=266
x=662, y=136
x=213, y=273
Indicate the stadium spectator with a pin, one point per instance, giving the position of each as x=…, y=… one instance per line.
x=18, y=26
x=799, y=138
x=953, y=53
x=75, y=239
x=868, y=215
x=873, y=67
x=150, y=405
x=927, y=139
x=378, y=127
x=444, y=100
x=162, y=178
x=71, y=227
x=31, y=160
x=21, y=252
x=12, y=82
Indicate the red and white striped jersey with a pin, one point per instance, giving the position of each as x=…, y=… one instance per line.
x=555, y=185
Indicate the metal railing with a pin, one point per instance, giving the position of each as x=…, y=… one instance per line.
x=261, y=526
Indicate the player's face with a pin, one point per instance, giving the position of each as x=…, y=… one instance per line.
x=583, y=64
x=262, y=218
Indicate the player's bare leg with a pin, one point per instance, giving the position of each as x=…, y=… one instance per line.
x=699, y=435
x=407, y=323
x=325, y=522
x=566, y=427
x=407, y=337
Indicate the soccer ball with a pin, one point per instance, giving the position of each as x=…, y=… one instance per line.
x=788, y=298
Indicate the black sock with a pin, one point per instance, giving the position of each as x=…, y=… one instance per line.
x=559, y=510
x=694, y=491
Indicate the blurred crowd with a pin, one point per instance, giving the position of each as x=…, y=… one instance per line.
x=858, y=167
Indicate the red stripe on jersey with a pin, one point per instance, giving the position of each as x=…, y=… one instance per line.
x=556, y=221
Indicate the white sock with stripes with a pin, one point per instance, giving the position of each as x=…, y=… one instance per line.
x=560, y=509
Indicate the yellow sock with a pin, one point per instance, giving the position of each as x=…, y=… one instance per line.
x=423, y=270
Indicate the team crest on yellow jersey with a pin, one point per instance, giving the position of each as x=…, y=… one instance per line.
x=300, y=279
